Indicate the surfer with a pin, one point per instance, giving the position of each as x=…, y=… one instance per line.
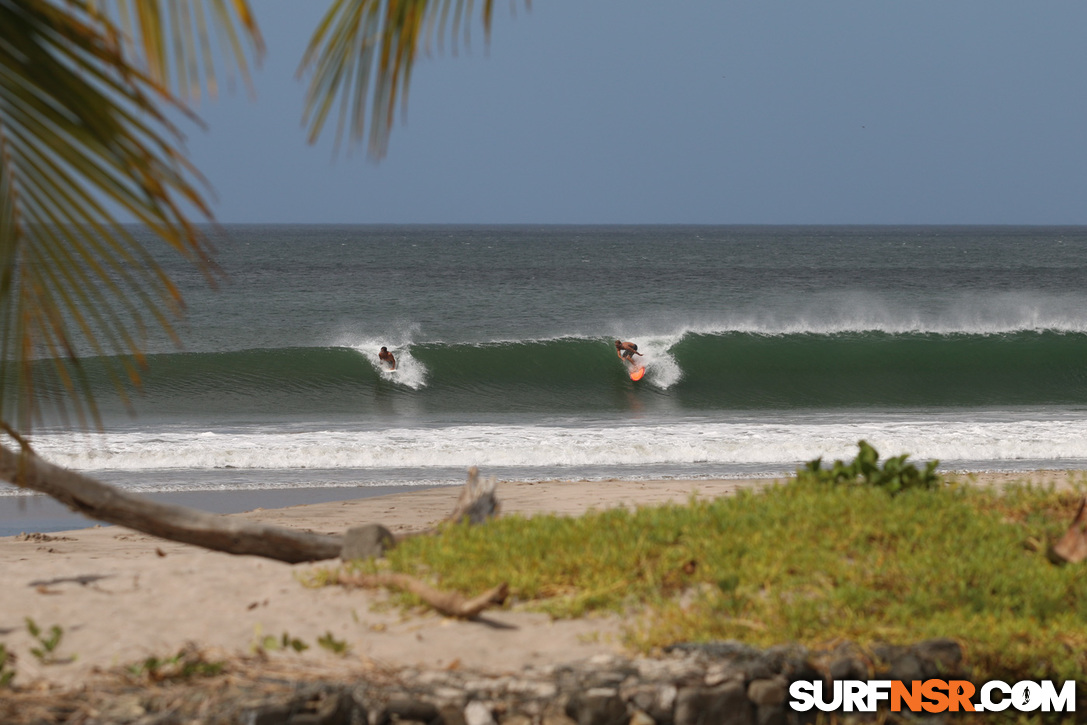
x=627, y=351
x=387, y=357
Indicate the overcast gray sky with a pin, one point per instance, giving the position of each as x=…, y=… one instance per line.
x=700, y=111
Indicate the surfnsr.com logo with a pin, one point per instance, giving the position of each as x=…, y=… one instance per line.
x=933, y=696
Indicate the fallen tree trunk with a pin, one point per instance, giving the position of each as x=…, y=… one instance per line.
x=103, y=502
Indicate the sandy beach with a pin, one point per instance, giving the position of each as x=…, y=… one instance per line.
x=121, y=596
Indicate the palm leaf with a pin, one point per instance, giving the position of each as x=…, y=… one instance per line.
x=83, y=137
x=170, y=40
x=362, y=53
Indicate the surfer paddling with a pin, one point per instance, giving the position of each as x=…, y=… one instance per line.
x=627, y=351
x=387, y=357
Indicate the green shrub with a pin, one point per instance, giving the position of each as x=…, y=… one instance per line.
x=7, y=671
x=184, y=665
x=46, y=652
x=895, y=476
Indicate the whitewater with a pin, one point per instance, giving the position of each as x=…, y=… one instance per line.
x=765, y=347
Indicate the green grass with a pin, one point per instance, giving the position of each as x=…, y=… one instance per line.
x=801, y=562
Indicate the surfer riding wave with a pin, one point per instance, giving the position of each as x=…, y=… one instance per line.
x=387, y=357
x=627, y=351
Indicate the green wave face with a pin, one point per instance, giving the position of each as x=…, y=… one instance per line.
x=696, y=372
x=883, y=369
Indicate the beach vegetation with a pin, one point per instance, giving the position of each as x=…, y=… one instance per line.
x=333, y=645
x=186, y=664
x=894, y=475
x=270, y=643
x=284, y=642
x=797, y=562
x=7, y=666
x=45, y=652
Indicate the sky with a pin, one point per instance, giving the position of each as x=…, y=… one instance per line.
x=692, y=112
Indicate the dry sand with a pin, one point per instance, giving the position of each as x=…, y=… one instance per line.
x=121, y=596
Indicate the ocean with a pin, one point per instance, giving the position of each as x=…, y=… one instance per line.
x=765, y=347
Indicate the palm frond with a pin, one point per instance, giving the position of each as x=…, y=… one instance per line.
x=82, y=135
x=362, y=53
x=170, y=40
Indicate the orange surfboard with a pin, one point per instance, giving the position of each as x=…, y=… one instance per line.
x=636, y=372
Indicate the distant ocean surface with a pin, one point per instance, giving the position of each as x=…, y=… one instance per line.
x=765, y=347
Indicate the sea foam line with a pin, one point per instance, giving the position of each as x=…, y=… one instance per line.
x=750, y=443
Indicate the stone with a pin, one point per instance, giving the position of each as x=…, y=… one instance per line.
x=324, y=707
x=607, y=678
x=719, y=672
x=941, y=656
x=906, y=667
x=771, y=715
x=848, y=668
x=655, y=701
x=728, y=649
x=448, y=714
x=721, y=705
x=777, y=658
x=408, y=709
x=552, y=716
x=767, y=692
x=370, y=541
x=598, y=706
x=517, y=719
x=530, y=688
x=887, y=652
x=800, y=669
x=476, y=713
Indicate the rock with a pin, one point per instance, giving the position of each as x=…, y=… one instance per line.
x=517, y=720
x=448, y=714
x=940, y=657
x=771, y=715
x=721, y=705
x=848, y=668
x=906, y=667
x=777, y=658
x=408, y=709
x=598, y=706
x=725, y=682
x=320, y=707
x=654, y=701
x=476, y=713
x=556, y=716
x=887, y=653
x=719, y=672
x=366, y=542
x=767, y=692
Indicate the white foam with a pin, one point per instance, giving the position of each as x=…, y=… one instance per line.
x=409, y=372
x=661, y=368
x=750, y=443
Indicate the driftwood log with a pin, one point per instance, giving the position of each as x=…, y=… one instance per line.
x=230, y=535
x=103, y=502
